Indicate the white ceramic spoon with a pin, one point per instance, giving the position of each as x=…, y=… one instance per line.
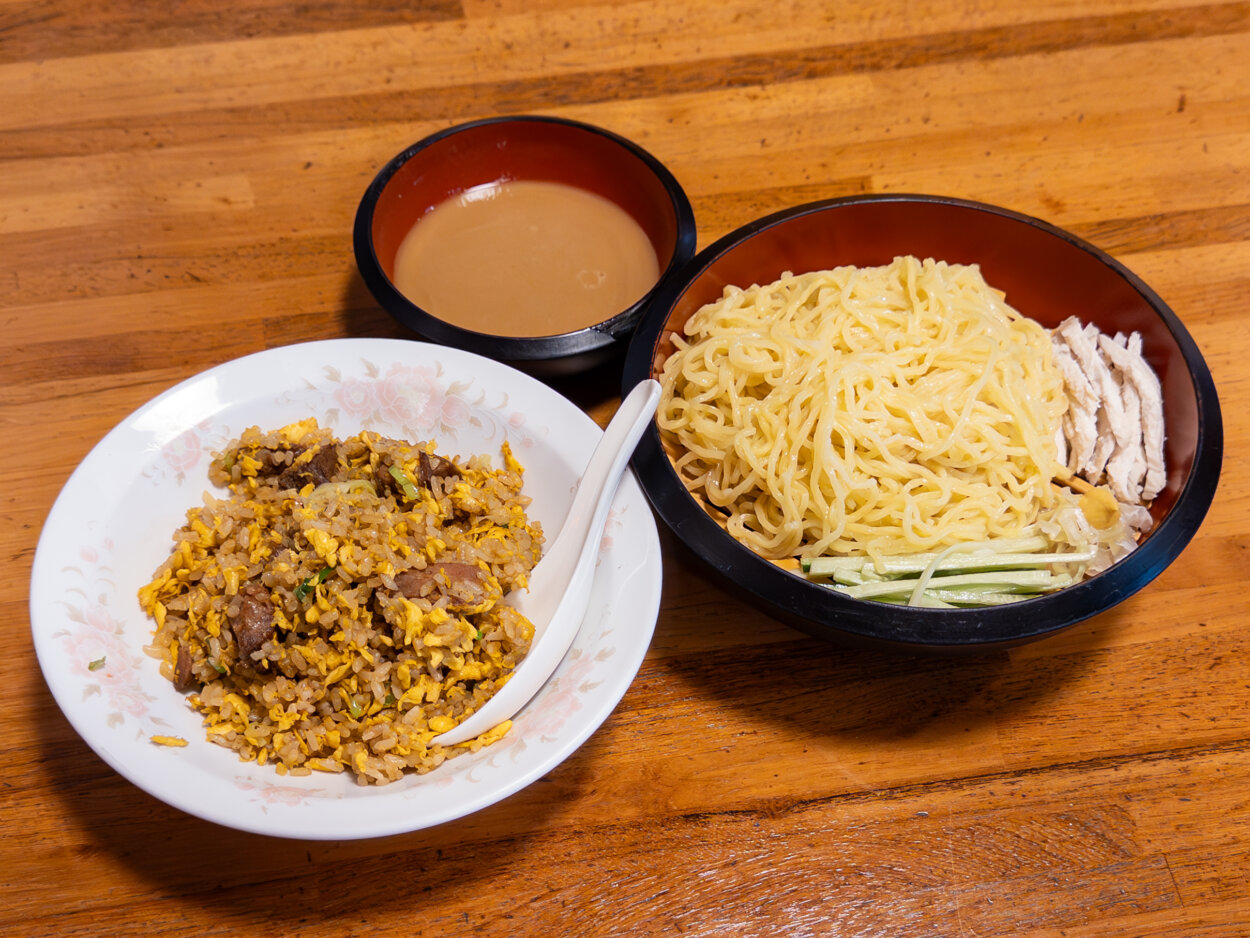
x=560, y=583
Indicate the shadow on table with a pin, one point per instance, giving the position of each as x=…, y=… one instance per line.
x=776, y=675
x=251, y=884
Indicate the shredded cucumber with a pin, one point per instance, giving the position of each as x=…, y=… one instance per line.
x=983, y=573
x=918, y=563
x=1010, y=581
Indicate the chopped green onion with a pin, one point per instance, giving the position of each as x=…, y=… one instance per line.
x=354, y=708
x=310, y=584
x=405, y=482
x=96, y=665
x=217, y=667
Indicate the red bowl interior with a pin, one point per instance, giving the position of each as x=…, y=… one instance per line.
x=1045, y=274
x=520, y=149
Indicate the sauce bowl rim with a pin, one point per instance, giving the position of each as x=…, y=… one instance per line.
x=518, y=348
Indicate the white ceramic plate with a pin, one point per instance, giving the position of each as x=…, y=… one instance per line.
x=111, y=527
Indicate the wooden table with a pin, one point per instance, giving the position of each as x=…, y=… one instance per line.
x=177, y=186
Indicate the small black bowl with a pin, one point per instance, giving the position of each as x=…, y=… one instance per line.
x=546, y=149
x=1047, y=274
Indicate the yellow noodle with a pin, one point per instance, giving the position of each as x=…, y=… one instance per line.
x=880, y=410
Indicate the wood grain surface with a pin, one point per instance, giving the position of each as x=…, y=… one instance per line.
x=177, y=186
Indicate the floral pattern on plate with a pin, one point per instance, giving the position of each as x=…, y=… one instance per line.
x=93, y=640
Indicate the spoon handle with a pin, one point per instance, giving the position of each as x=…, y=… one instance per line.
x=561, y=582
x=589, y=512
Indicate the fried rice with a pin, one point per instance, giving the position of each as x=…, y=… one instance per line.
x=343, y=604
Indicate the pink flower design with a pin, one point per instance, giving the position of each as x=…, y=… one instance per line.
x=356, y=397
x=114, y=681
x=419, y=400
x=605, y=544
x=100, y=640
x=455, y=412
x=519, y=426
x=86, y=648
x=183, y=451
x=99, y=619
x=125, y=696
x=561, y=702
x=410, y=397
x=278, y=794
x=98, y=653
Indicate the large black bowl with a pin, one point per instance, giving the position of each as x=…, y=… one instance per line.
x=493, y=150
x=1048, y=274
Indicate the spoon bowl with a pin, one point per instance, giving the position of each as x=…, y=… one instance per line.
x=561, y=582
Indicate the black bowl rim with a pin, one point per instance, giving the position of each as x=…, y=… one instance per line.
x=826, y=614
x=516, y=348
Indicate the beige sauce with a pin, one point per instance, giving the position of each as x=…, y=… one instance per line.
x=526, y=259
